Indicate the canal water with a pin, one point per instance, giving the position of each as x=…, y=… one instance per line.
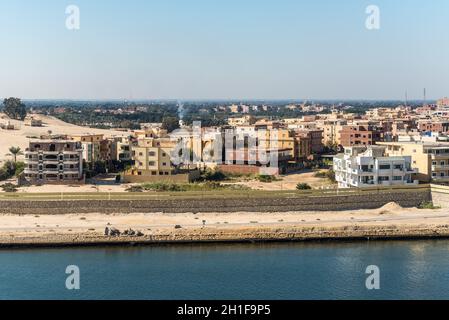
x=408, y=270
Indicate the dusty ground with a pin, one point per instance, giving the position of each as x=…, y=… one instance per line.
x=18, y=138
x=46, y=226
x=73, y=188
x=289, y=182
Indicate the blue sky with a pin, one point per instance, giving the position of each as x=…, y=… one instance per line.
x=210, y=49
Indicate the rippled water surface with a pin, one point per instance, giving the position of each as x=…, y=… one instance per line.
x=409, y=269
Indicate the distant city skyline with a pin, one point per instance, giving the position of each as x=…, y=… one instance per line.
x=233, y=50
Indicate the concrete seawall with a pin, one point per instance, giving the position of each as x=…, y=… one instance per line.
x=369, y=200
x=262, y=234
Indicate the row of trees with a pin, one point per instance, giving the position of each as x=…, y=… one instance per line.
x=14, y=108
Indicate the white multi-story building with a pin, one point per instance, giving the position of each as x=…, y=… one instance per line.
x=369, y=166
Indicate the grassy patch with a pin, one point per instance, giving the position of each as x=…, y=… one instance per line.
x=428, y=205
x=266, y=178
x=175, y=187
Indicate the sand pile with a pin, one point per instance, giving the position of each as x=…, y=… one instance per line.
x=390, y=207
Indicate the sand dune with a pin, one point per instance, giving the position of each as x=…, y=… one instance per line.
x=20, y=138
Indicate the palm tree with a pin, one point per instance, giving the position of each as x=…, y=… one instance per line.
x=14, y=152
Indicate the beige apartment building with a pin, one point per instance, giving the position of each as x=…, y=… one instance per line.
x=331, y=131
x=152, y=157
x=240, y=121
x=430, y=158
x=91, y=145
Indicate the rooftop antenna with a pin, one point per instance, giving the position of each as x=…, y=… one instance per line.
x=425, y=97
x=406, y=98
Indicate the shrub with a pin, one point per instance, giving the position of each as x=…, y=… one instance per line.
x=320, y=174
x=428, y=205
x=172, y=187
x=11, y=169
x=265, y=178
x=303, y=186
x=19, y=168
x=214, y=175
x=135, y=189
x=330, y=174
x=9, y=187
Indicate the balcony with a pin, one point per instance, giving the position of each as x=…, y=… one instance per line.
x=440, y=167
x=441, y=178
x=441, y=156
x=71, y=171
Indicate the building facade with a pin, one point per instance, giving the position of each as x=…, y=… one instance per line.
x=369, y=166
x=359, y=135
x=53, y=162
x=430, y=158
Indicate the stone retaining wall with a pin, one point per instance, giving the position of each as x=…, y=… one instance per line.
x=409, y=198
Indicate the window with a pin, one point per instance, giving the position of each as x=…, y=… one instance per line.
x=397, y=178
x=434, y=163
x=398, y=166
x=151, y=163
x=442, y=163
x=384, y=167
x=434, y=174
x=152, y=154
x=384, y=178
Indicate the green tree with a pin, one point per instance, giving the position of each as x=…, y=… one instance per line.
x=14, y=152
x=14, y=108
x=170, y=123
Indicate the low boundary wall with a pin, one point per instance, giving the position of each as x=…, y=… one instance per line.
x=412, y=197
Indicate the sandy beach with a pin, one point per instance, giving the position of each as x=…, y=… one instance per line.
x=388, y=222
